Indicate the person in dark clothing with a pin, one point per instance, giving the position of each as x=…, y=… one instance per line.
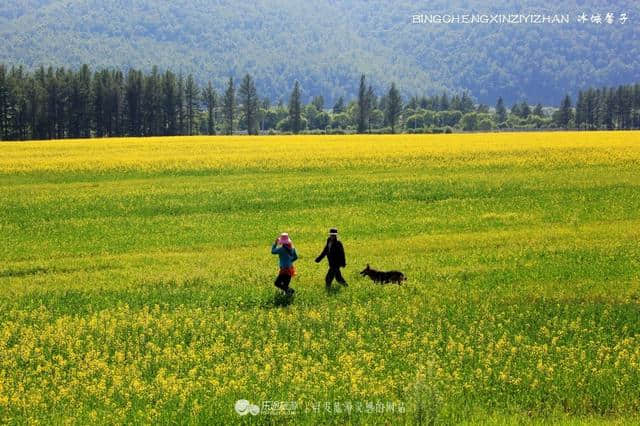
x=334, y=251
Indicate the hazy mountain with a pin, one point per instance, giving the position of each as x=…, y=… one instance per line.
x=326, y=44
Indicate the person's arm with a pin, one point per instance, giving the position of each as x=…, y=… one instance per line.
x=294, y=256
x=275, y=249
x=323, y=254
x=343, y=260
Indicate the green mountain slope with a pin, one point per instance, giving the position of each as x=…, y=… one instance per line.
x=326, y=44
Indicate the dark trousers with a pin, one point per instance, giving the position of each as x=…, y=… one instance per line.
x=282, y=281
x=334, y=273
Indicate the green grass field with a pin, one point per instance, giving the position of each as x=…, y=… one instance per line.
x=137, y=281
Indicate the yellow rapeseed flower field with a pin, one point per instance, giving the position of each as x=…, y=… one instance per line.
x=137, y=281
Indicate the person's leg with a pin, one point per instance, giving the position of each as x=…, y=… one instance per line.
x=329, y=278
x=287, y=281
x=339, y=277
x=279, y=282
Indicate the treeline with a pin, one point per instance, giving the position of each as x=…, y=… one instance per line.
x=63, y=103
x=608, y=108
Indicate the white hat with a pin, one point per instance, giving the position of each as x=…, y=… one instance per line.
x=284, y=238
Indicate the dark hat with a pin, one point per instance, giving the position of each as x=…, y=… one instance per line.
x=333, y=231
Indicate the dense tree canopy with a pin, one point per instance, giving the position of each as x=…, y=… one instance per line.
x=324, y=43
x=55, y=103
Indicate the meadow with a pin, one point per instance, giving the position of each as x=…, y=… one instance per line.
x=136, y=280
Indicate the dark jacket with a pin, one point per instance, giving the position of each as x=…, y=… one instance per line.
x=335, y=254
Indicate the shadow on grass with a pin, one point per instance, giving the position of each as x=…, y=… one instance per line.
x=23, y=272
x=282, y=300
x=333, y=289
x=39, y=270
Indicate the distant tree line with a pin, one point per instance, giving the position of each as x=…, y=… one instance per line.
x=62, y=103
x=608, y=108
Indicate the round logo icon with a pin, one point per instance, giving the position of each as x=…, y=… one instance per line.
x=242, y=407
x=254, y=410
